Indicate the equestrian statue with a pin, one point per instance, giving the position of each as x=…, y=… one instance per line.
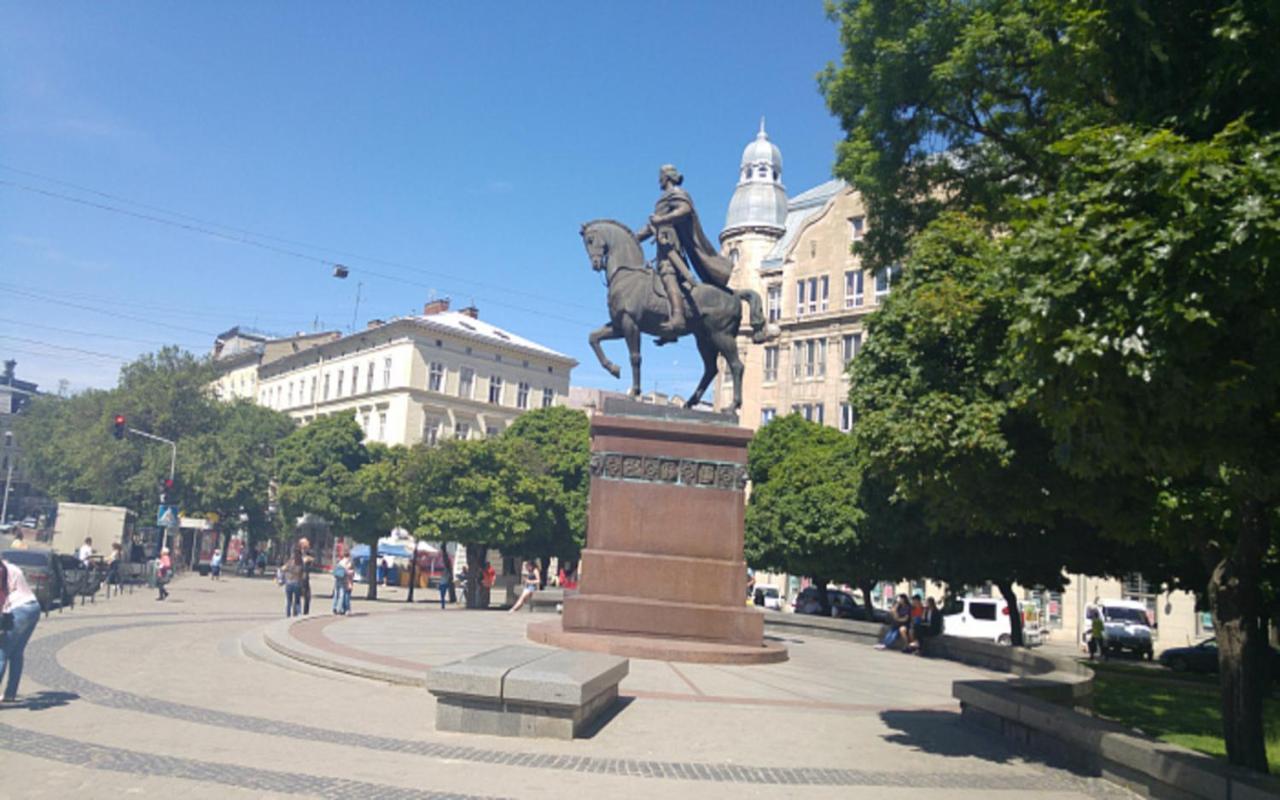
x=664, y=299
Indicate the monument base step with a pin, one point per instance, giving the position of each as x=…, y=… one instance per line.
x=658, y=648
x=607, y=613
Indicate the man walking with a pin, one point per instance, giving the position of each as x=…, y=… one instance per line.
x=308, y=561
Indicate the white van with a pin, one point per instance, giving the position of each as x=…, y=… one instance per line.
x=769, y=597
x=987, y=618
x=1127, y=627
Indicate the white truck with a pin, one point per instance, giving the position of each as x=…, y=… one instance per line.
x=79, y=521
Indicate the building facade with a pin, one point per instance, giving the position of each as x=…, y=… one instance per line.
x=18, y=500
x=797, y=255
x=444, y=374
x=239, y=352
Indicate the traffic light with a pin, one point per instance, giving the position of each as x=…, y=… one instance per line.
x=119, y=426
x=167, y=494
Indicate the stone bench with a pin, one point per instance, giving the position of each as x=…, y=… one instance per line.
x=546, y=600
x=520, y=690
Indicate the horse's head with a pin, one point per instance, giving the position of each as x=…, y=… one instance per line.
x=612, y=246
x=597, y=245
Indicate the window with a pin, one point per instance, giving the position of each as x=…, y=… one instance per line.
x=813, y=295
x=355, y=379
x=382, y=426
x=884, y=277
x=466, y=377
x=313, y=388
x=767, y=415
x=341, y=375
x=733, y=256
x=853, y=288
x=461, y=431
x=1139, y=588
x=824, y=284
x=852, y=344
x=368, y=378
x=797, y=360
x=386, y=373
x=490, y=431
x=435, y=377
x=522, y=395
x=431, y=431
x=982, y=610
x=548, y=396
x=800, y=298
x=367, y=425
x=774, y=301
x=770, y=364
x=846, y=417
x=495, y=390
x=326, y=386
x=811, y=358
x=289, y=394
x=856, y=225
x=813, y=412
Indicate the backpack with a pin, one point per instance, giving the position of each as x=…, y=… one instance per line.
x=339, y=572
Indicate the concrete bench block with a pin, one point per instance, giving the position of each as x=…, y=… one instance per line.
x=525, y=691
x=481, y=675
x=565, y=678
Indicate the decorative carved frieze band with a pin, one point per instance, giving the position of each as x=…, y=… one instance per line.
x=678, y=471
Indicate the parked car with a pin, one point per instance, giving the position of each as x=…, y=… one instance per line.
x=1128, y=627
x=843, y=605
x=768, y=597
x=43, y=574
x=1203, y=657
x=987, y=618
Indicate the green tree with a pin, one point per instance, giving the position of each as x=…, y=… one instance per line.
x=316, y=468
x=803, y=516
x=559, y=442
x=955, y=105
x=229, y=468
x=383, y=498
x=1155, y=351
x=479, y=494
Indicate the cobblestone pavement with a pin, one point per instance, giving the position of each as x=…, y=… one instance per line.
x=130, y=696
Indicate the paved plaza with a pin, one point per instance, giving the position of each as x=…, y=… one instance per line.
x=185, y=698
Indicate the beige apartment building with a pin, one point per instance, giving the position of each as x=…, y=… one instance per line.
x=419, y=378
x=238, y=353
x=797, y=254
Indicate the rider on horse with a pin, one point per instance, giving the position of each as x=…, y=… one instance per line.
x=675, y=227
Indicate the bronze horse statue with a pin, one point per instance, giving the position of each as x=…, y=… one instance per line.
x=638, y=305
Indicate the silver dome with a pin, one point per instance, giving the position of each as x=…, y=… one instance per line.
x=760, y=201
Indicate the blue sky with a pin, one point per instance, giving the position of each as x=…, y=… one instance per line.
x=446, y=147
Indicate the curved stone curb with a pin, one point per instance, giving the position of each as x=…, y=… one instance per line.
x=278, y=638
x=1047, y=721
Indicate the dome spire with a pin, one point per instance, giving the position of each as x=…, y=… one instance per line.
x=760, y=201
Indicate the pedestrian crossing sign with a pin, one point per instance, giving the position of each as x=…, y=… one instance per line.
x=167, y=517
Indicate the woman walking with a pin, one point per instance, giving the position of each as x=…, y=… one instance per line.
x=164, y=569
x=292, y=576
x=19, y=613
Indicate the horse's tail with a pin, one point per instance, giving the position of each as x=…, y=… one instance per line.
x=759, y=331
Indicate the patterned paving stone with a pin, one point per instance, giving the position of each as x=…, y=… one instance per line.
x=43, y=666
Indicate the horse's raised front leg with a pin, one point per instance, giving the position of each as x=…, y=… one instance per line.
x=631, y=332
x=606, y=331
x=706, y=349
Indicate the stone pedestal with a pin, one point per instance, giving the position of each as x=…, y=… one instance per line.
x=663, y=574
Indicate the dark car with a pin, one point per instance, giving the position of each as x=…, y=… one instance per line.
x=43, y=574
x=1203, y=657
x=843, y=605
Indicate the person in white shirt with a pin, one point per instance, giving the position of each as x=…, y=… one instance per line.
x=86, y=551
x=19, y=613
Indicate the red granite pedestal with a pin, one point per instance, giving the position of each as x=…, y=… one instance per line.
x=662, y=574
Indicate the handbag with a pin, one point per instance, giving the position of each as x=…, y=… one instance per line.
x=6, y=621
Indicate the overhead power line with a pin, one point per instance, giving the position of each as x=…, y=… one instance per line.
x=63, y=347
x=156, y=342
x=204, y=225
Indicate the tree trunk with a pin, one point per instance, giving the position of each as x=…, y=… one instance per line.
x=544, y=564
x=867, y=587
x=475, y=570
x=371, y=571
x=824, y=600
x=1015, y=614
x=1236, y=600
